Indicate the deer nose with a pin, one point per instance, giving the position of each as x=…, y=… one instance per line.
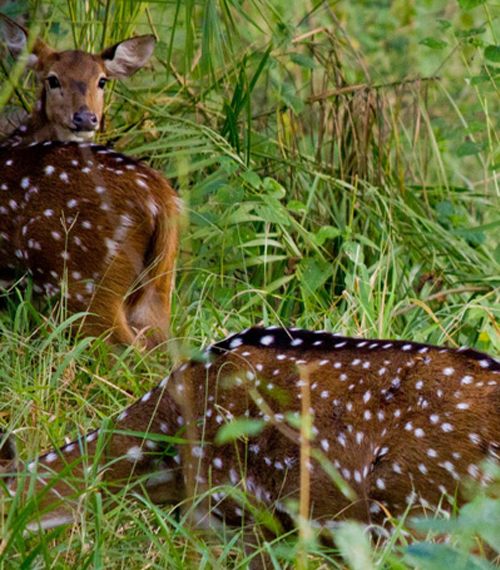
x=85, y=121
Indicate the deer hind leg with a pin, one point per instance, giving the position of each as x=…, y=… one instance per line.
x=110, y=321
x=103, y=298
x=148, y=316
x=148, y=309
x=105, y=317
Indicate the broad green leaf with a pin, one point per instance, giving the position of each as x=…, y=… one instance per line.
x=353, y=250
x=19, y=8
x=297, y=206
x=432, y=556
x=303, y=60
x=444, y=24
x=275, y=212
x=315, y=272
x=492, y=53
x=239, y=428
x=471, y=235
x=470, y=4
x=326, y=233
x=433, y=43
x=229, y=194
x=470, y=32
x=251, y=177
x=470, y=148
x=476, y=127
x=445, y=208
x=291, y=100
x=204, y=219
x=483, y=513
x=273, y=188
x=229, y=165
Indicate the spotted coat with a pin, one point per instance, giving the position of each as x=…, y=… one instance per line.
x=96, y=224
x=403, y=424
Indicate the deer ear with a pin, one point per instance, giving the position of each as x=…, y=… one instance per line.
x=125, y=58
x=14, y=36
x=16, y=40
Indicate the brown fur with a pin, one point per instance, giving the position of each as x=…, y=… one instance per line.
x=428, y=418
x=98, y=221
x=127, y=292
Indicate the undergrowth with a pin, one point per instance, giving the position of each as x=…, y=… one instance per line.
x=338, y=163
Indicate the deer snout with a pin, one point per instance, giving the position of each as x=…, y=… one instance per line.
x=85, y=121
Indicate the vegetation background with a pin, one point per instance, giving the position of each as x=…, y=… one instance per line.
x=339, y=162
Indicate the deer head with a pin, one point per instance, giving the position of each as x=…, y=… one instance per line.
x=71, y=102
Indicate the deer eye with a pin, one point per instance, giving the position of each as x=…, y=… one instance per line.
x=53, y=82
x=102, y=82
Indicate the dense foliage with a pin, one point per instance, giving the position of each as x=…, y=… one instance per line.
x=338, y=162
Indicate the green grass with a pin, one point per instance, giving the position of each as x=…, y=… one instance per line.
x=339, y=164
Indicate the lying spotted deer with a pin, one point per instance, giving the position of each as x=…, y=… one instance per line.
x=400, y=423
x=80, y=218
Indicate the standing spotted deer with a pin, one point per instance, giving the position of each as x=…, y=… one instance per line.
x=401, y=424
x=80, y=218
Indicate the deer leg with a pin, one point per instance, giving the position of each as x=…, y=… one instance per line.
x=149, y=310
x=108, y=306
x=149, y=318
x=106, y=317
x=104, y=307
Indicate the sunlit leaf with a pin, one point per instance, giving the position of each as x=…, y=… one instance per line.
x=492, y=53
x=470, y=4
x=239, y=428
x=433, y=43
